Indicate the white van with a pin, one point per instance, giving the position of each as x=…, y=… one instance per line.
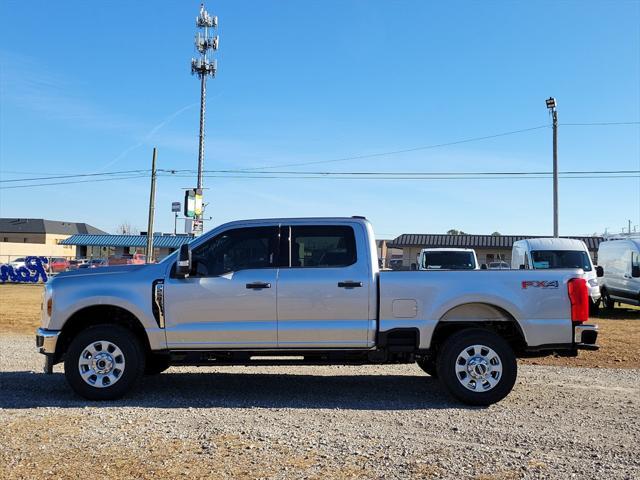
x=448, y=259
x=552, y=253
x=620, y=260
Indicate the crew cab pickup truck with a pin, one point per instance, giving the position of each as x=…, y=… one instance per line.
x=306, y=291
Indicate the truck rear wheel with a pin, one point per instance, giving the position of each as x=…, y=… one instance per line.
x=477, y=366
x=104, y=362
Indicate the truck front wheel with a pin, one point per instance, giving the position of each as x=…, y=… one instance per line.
x=104, y=362
x=477, y=366
x=429, y=366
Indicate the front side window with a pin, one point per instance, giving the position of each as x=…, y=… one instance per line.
x=544, y=259
x=322, y=246
x=234, y=250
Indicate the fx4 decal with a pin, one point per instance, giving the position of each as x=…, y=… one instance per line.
x=539, y=284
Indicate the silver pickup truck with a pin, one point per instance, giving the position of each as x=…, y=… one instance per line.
x=306, y=291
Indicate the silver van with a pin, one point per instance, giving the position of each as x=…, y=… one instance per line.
x=620, y=260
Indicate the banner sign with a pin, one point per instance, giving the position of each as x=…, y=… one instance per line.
x=32, y=271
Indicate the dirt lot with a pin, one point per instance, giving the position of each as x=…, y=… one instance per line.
x=619, y=335
x=389, y=421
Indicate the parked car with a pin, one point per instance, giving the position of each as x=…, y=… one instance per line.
x=554, y=253
x=498, y=266
x=395, y=264
x=620, y=262
x=94, y=263
x=58, y=264
x=448, y=259
x=307, y=291
x=18, y=262
x=75, y=263
x=134, y=259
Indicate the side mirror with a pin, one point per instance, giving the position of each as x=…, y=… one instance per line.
x=522, y=266
x=483, y=266
x=414, y=266
x=635, y=271
x=599, y=271
x=183, y=265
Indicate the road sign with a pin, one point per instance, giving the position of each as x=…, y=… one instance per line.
x=175, y=207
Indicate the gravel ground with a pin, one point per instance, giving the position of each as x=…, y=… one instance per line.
x=316, y=422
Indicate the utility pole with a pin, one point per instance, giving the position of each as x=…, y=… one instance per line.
x=629, y=230
x=551, y=105
x=152, y=207
x=205, y=41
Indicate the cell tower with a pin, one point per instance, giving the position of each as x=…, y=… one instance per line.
x=203, y=66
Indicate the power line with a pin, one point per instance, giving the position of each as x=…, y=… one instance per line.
x=74, y=181
x=327, y=173
x=406, y=150
x=75, y=175
x=598, y=124
x=429, y=177
x=341, y=176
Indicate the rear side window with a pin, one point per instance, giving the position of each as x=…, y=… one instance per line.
x=322, y=246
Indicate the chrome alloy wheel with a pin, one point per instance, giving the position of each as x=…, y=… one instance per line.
x=101, y=364
x=478, y=368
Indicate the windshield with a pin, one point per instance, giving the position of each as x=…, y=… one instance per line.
x=448, y=261
x=543, y=259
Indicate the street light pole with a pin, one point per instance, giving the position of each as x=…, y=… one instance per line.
x=551, y=105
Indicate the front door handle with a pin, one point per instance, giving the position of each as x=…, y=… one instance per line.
x=349, y=284
x=258, y=285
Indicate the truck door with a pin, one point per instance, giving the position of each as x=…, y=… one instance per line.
x=229, y=301
x=323, y=292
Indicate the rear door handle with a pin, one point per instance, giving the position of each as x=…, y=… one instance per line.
x=258, y=285
x=349, y=284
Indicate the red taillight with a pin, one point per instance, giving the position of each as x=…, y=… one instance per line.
x=579, y=297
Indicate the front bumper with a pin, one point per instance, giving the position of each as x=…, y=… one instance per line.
x=46, y=341
x=585, y=337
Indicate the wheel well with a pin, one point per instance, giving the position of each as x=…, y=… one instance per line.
x=99, y=315
x=479, y=315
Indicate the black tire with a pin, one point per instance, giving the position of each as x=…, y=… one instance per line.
x=429, y=366
x=594, y=308
x=606, y=301
x=465, y=339
x=156, y=364
x=129, y=352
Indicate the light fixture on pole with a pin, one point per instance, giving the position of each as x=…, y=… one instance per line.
x=551, y=105
x=204, y=67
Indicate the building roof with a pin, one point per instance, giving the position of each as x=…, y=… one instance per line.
x=472, y=241
x=40, y=225
x=159, y=241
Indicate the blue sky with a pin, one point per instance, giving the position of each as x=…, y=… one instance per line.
x=92, y=87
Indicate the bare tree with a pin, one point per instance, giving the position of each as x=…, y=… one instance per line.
x=125, y=228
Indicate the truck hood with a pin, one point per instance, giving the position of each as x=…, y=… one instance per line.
x=113, y=270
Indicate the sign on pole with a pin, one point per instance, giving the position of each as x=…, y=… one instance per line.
x=190, y=203
x=175, y=207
